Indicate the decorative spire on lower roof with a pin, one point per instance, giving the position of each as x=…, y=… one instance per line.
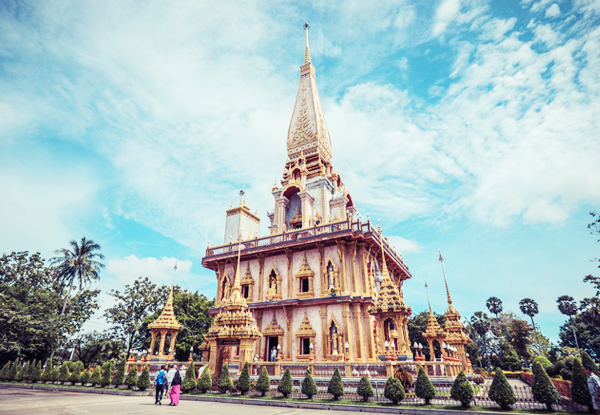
x=450, y=306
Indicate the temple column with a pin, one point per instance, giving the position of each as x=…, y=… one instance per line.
x=324, y=331
x=163, y=336
x=172, y=345
x=282, y=204
x=290, y=278
x=352, y=255
x=261, y=270
x=322, y=272
x=347, y=327
x=342, y=270
x=358, y=323
x=306, y=201
x=152, y=344
x=362, y=268
x=290, y=337
x=370, y=336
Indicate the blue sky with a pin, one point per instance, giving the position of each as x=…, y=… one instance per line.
x=469, y=126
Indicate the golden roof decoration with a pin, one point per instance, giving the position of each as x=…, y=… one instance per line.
x=273, y=329
x=297, y=217
x=305, y=270
x=167, y=319
x=305, y=329
x=247, y=279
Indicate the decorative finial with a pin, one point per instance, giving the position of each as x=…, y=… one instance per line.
x=307, y=53
x=441, y=259
x=427, y=289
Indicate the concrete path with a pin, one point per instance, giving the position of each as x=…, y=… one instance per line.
x=26, y=401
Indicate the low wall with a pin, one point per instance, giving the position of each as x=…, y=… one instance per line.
x=562, y=386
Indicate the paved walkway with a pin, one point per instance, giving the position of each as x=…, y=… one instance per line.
x=26, y=401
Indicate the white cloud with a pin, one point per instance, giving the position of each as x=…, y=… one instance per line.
x=553, y=11
x=402, y=245
x=158, y=270
x=446, y=12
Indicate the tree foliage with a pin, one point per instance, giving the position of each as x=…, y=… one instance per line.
x=263, y=384
x=416, y=327
x=106, y=369
x=143, y=381
x=543, y=389
x=336, y=386
x=189, y=382
x=579, y=387
x=394, y=391
x=365, y=389
x=309, y=387
x=96, y=377
x=423, y=387
x=64, y=373
x=120, y=375
x=205, y=381
x=494, y=304
x=225, y=382
x=132, y=377
x=285, y=385
x=501, y=392
x=462, y=390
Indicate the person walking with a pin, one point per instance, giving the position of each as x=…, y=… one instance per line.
x=170, y=376
x=593, y=383
x=175, y=389
x=159, y=383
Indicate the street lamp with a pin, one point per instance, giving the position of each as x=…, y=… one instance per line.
x=311, y=356
x=191, y=358
x=347, y=347
x=387, y=351
x=278, y=352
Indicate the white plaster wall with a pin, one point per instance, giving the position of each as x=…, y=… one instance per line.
x=314, y=317
x=249, y=227
x=279, y=262
x=232, y=224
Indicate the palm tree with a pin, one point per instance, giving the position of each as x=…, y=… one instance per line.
x=494, y=304
x=79, y=263
x=529, y=307
x=568, y=307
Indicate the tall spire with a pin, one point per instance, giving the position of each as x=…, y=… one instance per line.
x=450, y=306
x=236, y=293
x=307, y=53
x=427, y=289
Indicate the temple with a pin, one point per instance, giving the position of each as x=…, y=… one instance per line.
x=323, y=286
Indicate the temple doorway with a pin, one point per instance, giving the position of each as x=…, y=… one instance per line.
x=272, y=341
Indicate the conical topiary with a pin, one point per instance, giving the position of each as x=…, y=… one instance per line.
x=119, y=377
x=143, y=382
x=85, y=377
x=64, y=373
x=423, y=387
x=586, y=360
x=36, y=375
x=14, y=370
x=285, y=386
x=189, y=381
x=225, y=382
x=543, y=389
x=243, y=383
x=205, y=381
x=75, y=375
x=30, y=370
x=96, y=376
x=132, y=377
x=46, y=376
x=501, y=392
x=365, y=389
x=579, y=387
x=511, y=360
x=462, y=390
x=21, y=374
x=105, y=380
x=4, y=371
x=263, y=384
x=309, y=387
x=394, y=391
x=336, y=386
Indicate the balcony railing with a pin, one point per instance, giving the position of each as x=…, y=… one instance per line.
x=305, y=234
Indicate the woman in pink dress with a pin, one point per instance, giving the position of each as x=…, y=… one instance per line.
x=175, y=389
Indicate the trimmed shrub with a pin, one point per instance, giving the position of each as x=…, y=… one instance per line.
x=285, y=386
x=394, y=391
x=225, y=382
x=4, y=371
x=132, y=377
x=120, y=375
x=579, y=387
x=462, y=390
x=55, y=374
x=46, y=376
x=543, y=389
x=587, y=360
x=105, y=380
x=424, y=388
x=96, y=377
x=85, y=377
x=12, y=373
x=30, y=370
x=263, y=384
x=336, y=386
x=543, y=361
x=21, y=373
x=64, y=373
x=75, y=375
x=501, y=392
x=205, y=382
x=189, y=382
x=309, y=387
x=511, y=360
x=365, y=389
x=36, y=375
x=143, y=381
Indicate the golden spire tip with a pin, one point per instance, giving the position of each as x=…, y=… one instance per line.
x=307, y=53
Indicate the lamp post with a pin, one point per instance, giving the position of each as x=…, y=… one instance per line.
x=311, y=356
x=191, y=358
x=347, y=347
x=278, y=353
x=387, y=351
x=394, y=356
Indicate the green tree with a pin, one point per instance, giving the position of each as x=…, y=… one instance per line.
x=64, y=373
x=285, y=386
x=75, y=375
x=336, y=386
x=462, y=390
x=587, y=360
x=501, y=392
x=365, y=389
x=21, y=373
x=85, y=377
x=225, y=382
x=588, y=336
x=4, y=371
x=46, y=377
x=143, y=381
x=189, y=382
x=510, y=360
x=529, y=307
x=191, y=309
x=205, y=381
x=423, y=387
x=96, y=377
x=13, y=372
x=37, y=374
x=263, y=384
x=105, y=380
x=137, y=302
x=394, y=391
x=309, y=387
x=416, y=327
x=579, y=387
x=494, y=304
x=568, y=307
x=120, y=375
x=132, y=377
x=243, y=383
x=481, y=324
x=30, y=370
x=519, y=336
x=543, y=389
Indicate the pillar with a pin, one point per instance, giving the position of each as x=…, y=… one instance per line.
x=369, y=334
x=355, y=282
x=163, y=336
x=172, y=345
x=324, y=331
x=152, y=344
x=360, y=333
x=261, y=270
x=342, y=269
x=347, y=328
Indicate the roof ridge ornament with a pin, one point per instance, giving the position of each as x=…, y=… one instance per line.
x=307, y=52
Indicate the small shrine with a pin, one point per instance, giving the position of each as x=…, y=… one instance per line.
x=391, y=315
x=433, y=332
x=234, y=326
x=168, y=327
